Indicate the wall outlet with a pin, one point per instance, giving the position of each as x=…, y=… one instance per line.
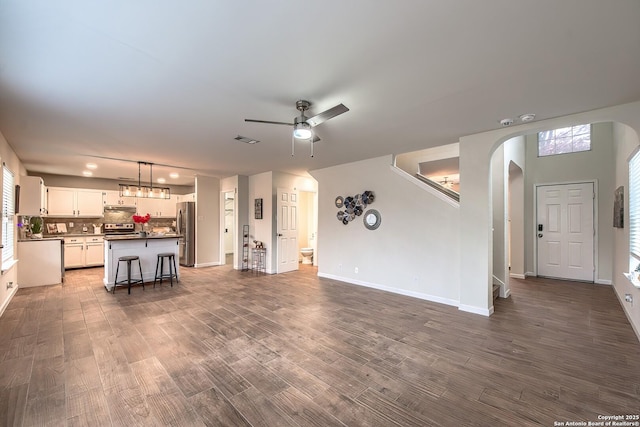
x=70, y=224
x=356, y=270
x=9, y=285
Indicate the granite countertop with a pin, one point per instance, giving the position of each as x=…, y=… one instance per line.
x=40, y=240
x=136, y=236
x=62, y=235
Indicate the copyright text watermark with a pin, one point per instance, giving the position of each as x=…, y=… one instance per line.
x=626, y=420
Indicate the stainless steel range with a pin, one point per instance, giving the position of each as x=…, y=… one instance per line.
x=118, y=228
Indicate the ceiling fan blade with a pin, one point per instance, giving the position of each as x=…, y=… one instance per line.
x=326, y=115
x=268, y=122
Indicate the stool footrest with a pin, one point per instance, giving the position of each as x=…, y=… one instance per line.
x=128, y=281
x=173, y=270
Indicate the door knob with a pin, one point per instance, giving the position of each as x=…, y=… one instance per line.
x=279, y=234
x=539, y=234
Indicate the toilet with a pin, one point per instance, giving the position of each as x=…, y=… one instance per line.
x=307, y=255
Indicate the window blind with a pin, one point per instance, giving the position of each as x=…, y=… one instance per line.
x=634, y=204
x=8, y=208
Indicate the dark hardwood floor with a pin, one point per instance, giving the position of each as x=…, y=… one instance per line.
x=226, y=348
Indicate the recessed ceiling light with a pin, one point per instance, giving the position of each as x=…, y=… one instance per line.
x=161, y=180
x=174, y=175
x=506, y=122
x=527, y=117
x=91, y=166
x=87, y=173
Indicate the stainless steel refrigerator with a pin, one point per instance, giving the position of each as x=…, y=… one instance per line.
x=186, y=227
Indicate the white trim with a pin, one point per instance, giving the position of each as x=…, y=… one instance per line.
x=603, y=282
x=8, y=300
x=507, y=293
x=424, y=186
x=500, y=282
x=530, y=274
x=419, y=295
x=8, y=265
x=518, y=276
x=476, y=310
x=207, y=264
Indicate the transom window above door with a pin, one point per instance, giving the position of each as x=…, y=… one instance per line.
x=572, y=139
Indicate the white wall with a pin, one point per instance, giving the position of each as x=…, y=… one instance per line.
x=515, y=207
x=265, y=186
x=509, y=153
x=8, y=156
x=239, y=184
x=207, y=221
x=261, y=187
x=626, y=142
x=597, y=164
x=415, y=251
x=475, y=221
x=498, y=184
x=410, y=162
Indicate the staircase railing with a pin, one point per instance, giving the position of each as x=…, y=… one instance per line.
x=441, y=188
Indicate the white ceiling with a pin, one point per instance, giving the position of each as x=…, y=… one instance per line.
x=172, y=82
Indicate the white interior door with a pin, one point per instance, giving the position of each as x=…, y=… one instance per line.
x=565, y=231
x=287, y=230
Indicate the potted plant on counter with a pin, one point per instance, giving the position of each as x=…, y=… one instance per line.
x=36, y=224
x=142, y=220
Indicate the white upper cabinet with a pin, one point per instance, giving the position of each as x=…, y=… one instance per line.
x=112, y=198
x=75, y=202
x=157, y=208
x=33, y=196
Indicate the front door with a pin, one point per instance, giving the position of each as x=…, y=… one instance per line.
x=565, y=231
x=287, y=229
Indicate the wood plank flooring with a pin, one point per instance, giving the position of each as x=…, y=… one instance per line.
x=226, y=348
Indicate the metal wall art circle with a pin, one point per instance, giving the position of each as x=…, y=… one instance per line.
x=353, y=206
x=372, y=219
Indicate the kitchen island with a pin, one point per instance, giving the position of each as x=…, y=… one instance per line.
x=41, y=261
x=147, y=248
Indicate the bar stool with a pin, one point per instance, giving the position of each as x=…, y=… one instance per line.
x=128, y=259
x=173, y=271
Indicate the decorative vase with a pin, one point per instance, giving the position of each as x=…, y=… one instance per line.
x=36, y=235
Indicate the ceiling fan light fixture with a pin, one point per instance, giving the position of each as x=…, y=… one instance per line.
x=302, y=130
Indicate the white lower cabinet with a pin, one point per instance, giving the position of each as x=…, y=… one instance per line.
x=84, y=251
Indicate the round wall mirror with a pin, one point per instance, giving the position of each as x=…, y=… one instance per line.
x=371, y=219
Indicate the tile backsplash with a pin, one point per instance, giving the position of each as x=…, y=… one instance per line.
x=78, y=225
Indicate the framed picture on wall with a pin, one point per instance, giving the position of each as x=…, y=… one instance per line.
x=618, y=208
x=258, y=208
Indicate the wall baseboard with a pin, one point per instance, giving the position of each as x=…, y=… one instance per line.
x=207, y=264
x=419, y=295
x=6, y=302
x=476, y=310
x=602, y=282
x=517, y=276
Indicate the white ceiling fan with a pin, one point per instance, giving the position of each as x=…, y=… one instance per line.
x=302, y=125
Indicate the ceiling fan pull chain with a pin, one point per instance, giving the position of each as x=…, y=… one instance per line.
x=293, y=140
x=311, y=141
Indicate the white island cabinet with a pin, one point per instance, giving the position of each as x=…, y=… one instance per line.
x=40, y=262
x=147, y=248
